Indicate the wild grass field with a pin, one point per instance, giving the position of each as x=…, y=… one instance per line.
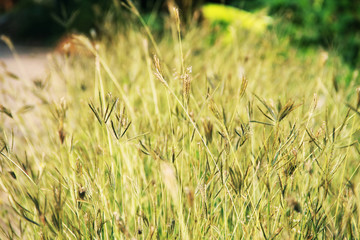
x=187, y=134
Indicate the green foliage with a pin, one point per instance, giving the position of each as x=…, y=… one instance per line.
x=332, y=23
x=226, y=15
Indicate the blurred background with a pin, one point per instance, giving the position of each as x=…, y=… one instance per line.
x=330, y=24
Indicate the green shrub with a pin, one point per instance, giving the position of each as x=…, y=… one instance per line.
x=332, y=23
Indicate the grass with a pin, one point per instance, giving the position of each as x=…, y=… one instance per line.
x=173, y=137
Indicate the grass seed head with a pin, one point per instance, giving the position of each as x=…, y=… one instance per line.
x=120, y=223
x=177, y=18
x=294, y=204
x=214, y=109
x=6, y=111
x=186, y=81
x=286, y=110
x=208, y=129
x=243, y=87
x=82, y=192
x=158, y=71
x=189, y=196
x=62, y=134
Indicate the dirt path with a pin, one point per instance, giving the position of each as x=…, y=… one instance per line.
x=31, y=62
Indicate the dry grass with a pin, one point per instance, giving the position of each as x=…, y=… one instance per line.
x=207, y=141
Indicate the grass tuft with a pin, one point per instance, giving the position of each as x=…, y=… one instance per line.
x=194, y=155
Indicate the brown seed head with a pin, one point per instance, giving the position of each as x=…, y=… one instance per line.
x=294, y=204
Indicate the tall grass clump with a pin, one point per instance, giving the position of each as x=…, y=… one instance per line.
x=176, y=137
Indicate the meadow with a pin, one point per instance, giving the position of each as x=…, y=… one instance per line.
x=191, y=133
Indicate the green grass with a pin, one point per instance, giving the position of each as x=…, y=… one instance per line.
x=249, y=139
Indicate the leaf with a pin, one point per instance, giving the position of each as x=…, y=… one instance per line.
x=114, y=130
x=58, y=20
x=127, y=127
x=12, y=174
x=25, y=109
x=8, y=42
x=11, y=75
x=111, y=110
x=286, y=110
x=352, y=108
x=358, y=98
x=265, y=123
x=6, y=111
x=91, y=105
x=356, y=135
x=267, y=116
x=267, y=107
x=312, y=138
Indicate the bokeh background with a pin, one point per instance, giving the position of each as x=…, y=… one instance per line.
x=331, y=24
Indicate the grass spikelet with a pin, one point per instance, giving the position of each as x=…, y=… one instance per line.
x=158, y=71
x=286, y=110
x=6, y=111
x=177, y=18
x=244, y=84
x=189, y=196
x=186, y=82
x=208, y=129
x=8, y=42
x=214, y=109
